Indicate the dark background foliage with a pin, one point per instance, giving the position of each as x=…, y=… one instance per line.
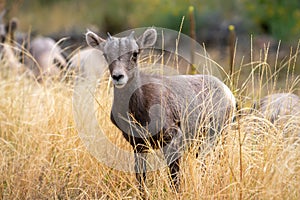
x=277, y=18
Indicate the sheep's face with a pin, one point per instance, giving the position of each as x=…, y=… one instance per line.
x=121, y=54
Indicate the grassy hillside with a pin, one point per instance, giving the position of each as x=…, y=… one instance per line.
x=43, y=157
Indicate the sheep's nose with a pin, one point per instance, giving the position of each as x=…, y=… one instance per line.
x=117, y=77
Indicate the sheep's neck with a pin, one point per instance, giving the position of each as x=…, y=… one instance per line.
x=123, y=95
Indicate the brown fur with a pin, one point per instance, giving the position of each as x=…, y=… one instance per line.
x=161, y=111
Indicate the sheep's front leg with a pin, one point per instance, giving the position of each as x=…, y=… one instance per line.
x=172, y=152
x=140, y=168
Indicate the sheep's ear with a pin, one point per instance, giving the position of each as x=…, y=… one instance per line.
x=148, y=38
x=93, y=40
x=131, y=36
x=12, y=26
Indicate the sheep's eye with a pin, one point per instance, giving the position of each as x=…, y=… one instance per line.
x=134, y=56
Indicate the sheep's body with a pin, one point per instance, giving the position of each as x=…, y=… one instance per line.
x=189, y=100
x=279, y=105
x=161, y=111
x=11, y=58
x=46, y=55
x=83, y=63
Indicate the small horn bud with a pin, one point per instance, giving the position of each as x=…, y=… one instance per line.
x=109, y=36
x=131, y=36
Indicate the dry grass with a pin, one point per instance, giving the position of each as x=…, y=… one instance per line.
x=43, y=157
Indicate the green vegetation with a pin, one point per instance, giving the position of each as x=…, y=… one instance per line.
x=280, y=18
x=276, y=17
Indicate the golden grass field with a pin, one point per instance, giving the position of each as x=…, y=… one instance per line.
x=42, y=156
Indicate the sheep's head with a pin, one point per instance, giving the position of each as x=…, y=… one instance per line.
x=6, y=28
x=121, y=53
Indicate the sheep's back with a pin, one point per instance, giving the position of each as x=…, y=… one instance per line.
x=202, y=101
x=280, y=104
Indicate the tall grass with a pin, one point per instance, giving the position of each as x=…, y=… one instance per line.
x=43, y=157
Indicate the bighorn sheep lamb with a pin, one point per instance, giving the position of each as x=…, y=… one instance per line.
x=46, y=58
x=162, y=111
x=278, y=105
x=83, y=63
